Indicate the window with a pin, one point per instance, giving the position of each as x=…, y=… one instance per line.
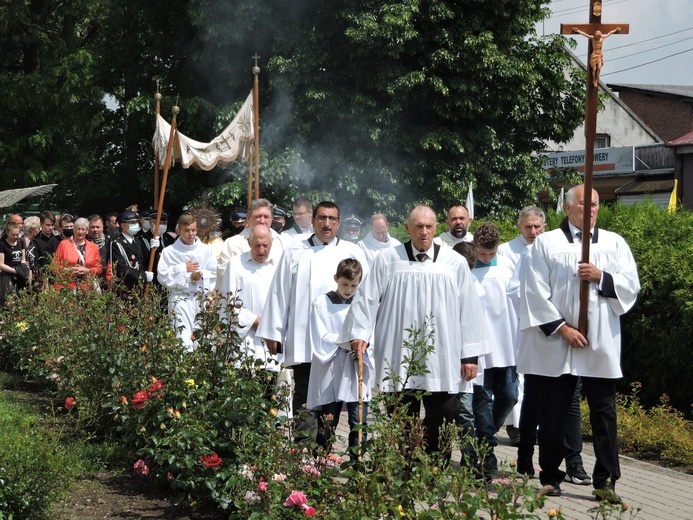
x=602, y=141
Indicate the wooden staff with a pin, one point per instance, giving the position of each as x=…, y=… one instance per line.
x=157, y=101
x=250, y=179
x=160, y=207
x=256, y=118
x=360, y=430
x=593, y=31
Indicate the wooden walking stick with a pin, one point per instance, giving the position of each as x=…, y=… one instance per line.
x=360, y=431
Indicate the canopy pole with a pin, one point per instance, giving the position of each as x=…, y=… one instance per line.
x=160, y=205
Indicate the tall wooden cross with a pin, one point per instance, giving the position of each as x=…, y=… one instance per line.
x=596, y=32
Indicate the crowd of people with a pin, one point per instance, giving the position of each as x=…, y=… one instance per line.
x=338, y=315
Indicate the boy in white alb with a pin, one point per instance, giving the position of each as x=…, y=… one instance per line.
x=496, y=398
x=334, y=371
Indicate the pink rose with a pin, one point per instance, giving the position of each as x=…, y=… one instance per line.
x=296, y=498
x=141, y=468
x=309, y=511
x=262, y=486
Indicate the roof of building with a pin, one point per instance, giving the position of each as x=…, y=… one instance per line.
x=605, y=88
x=645, y=185
x=679, y=91
x=684, y=140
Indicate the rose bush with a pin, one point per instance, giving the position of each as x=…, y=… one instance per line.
x=207, y=425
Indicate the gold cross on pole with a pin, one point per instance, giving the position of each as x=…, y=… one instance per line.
x=596, y=32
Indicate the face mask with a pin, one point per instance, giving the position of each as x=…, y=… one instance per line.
x=146, y=226
x=133, y=229
x=68, y=232
x=162, y=229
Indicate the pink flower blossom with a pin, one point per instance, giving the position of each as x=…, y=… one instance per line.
x=312, y=471
x=279, y=477
x=262, y=486
x=141, y=468
x=309, y=511
x=296, y=498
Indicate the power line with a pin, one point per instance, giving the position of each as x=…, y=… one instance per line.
x=573, y=10
x=648, y=63
x=650, y=39
x=650, y=50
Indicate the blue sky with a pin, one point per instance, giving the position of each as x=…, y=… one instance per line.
x=668, y=24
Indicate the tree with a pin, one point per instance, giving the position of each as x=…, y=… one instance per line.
x=374, y=104
x=392, y=102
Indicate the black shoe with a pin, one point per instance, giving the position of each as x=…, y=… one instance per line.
x=607, y=494
x=576, y=474
x=551, y=490
x=525, y=466
x=490, y=464
x=513, y=435
x=481, y=476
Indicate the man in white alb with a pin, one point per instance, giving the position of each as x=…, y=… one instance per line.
x=187, y=268
x=306, y=271
x=458, y=223
x=554, y=352
x=417, y=285
x=378, y=239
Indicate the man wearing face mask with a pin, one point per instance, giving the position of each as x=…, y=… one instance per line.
x=128, y=254
x=165, y=239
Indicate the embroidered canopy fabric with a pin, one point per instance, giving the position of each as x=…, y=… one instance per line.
x=234, y=141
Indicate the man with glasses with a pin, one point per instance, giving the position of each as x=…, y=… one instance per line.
x=305, y=271
x=302, y=210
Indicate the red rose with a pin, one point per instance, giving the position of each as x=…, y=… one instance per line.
x=69, y=403
x=156, y=386
x=211, y=461
x=140, y=398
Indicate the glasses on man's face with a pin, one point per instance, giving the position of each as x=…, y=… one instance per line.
x=301, y=213
x=325, y=218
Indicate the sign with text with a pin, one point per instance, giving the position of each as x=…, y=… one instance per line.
x=606, y=160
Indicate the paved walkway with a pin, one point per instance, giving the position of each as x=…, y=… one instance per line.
x=658, y=492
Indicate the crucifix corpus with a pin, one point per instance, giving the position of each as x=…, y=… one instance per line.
x=596, y=32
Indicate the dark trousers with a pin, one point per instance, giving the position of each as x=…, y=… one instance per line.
x=529, y=420
x=439, y=407
x=556, y=395
x=301, y=378
x=326, y=427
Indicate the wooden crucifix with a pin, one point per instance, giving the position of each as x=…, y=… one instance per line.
x=597, y=32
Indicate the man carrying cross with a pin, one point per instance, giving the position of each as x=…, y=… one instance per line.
x=553, y=353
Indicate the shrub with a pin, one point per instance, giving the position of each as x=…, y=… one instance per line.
x=207, y=423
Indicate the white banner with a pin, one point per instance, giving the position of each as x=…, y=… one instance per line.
x=236, y=140
x=606, y=160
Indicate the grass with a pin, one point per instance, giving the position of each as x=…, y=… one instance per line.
x=39, y=452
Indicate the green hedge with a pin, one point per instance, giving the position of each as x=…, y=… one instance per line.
x=658, y=332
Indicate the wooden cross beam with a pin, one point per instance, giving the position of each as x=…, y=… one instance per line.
x=596, y=32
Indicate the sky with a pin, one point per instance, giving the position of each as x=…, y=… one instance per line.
x=661, y=31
